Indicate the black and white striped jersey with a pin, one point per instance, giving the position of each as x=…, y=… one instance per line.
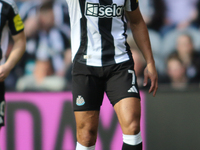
x=9, y=20
x=30, y=8
x=98, y=31
x=60, y=10
x=48, y=46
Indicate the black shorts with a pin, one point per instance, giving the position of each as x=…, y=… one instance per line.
x=2, y=103
x=89, y=84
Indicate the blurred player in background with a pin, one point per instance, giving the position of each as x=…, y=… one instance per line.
x=45, y=50
x=9, y=20
x=103, y=63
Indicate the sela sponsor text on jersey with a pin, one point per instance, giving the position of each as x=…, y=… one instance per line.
x=97, y=10
x=98, y=31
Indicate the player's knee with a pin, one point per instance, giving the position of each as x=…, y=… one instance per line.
x=132, y=124
x=87, y=134
x=88, y=137
x=132, y=127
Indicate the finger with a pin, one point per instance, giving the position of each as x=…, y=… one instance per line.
x=145, y=79
x=152, y=86
x=155, y=89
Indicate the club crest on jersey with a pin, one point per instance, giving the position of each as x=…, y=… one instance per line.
x=97, y=10
x=80, y=101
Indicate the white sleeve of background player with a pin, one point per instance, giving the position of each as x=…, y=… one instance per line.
x=25, y=9
x=58, y=63
x=131, y=5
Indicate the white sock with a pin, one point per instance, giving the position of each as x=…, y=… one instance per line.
x=81, y=147
x=132, y=139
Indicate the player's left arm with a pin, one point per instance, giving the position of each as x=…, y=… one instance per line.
x=16, y=53
x=16, y=27
x=141, y=36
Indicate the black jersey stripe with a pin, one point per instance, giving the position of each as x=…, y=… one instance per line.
x=84, y=38
x=107, y=40
x=134, y=4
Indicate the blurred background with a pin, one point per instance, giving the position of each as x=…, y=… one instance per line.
x=174, y=29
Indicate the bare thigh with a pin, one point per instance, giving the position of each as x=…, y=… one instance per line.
x=128, y=111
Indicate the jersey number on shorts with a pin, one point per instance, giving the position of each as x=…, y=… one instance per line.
x=133, y=89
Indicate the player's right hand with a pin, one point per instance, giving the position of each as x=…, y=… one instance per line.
x=151, y=73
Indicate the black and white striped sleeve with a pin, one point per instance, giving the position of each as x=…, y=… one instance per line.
x=15, y=22
x=131, y=5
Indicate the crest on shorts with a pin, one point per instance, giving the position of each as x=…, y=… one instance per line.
x=80, y=101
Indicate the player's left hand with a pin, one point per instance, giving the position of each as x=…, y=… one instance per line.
x=151, y=73
x=4, y=72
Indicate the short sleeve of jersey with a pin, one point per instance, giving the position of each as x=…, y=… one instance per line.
x=15, y=22
x=131, y=5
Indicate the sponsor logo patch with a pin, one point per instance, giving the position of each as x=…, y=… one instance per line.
x=97, y=10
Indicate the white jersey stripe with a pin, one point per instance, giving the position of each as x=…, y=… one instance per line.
x=75, y=25
x=120, y=39
x=94, y=54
